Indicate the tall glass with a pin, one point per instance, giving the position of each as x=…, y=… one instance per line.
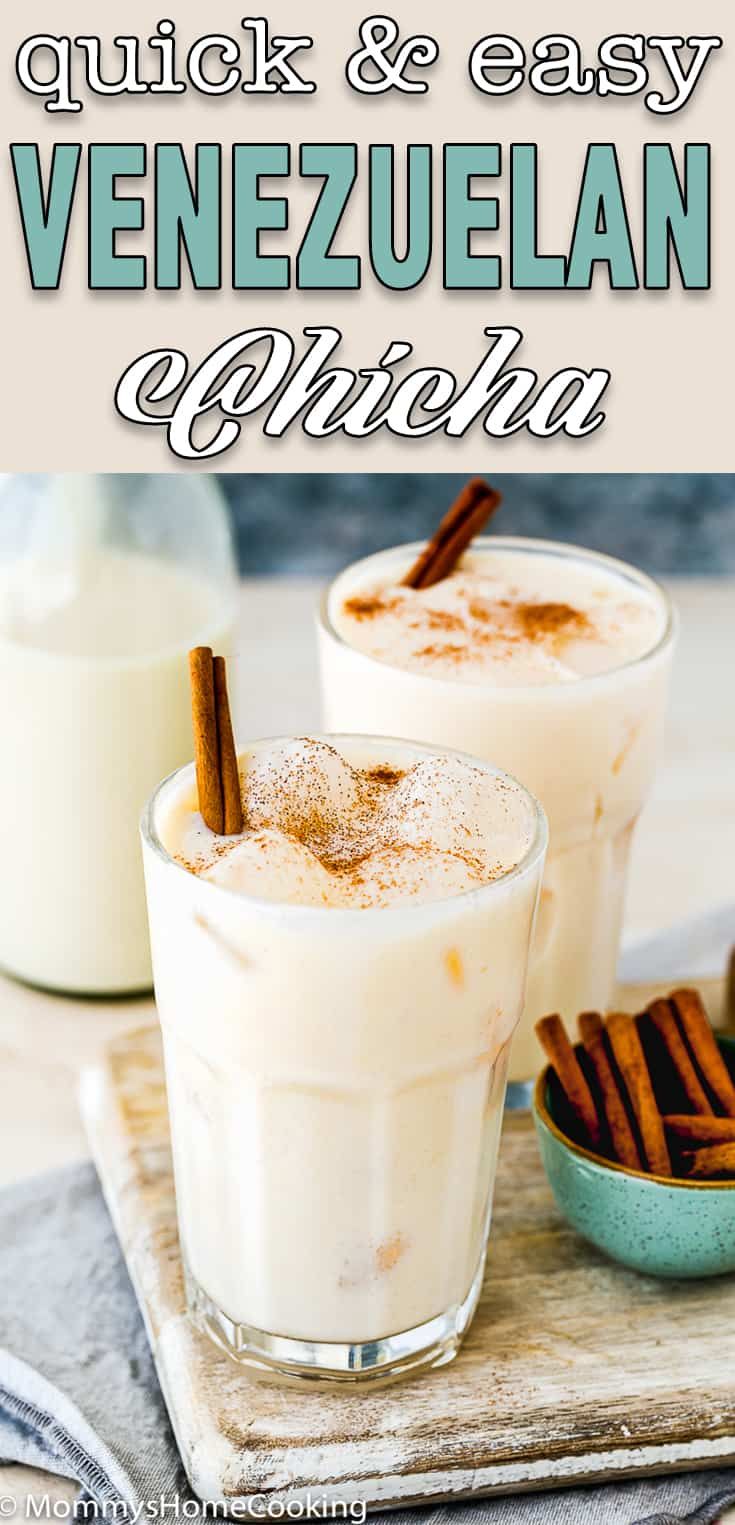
x=336, y=1083
x=587, y=750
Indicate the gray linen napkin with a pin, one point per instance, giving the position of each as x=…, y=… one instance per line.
x=79, y=1395
x=78, y=1389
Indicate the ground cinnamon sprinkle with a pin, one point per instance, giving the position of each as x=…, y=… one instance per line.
x=439, y=619
x=538, y=620
x=479, y=612
x=344, y=844
x=373, y=832
x=500, y=623
x=452, y=653
x=385, y=775
x=366, y=608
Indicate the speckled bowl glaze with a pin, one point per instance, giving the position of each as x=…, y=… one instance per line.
x=660, y=1227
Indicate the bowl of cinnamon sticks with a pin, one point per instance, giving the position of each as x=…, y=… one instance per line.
x=635, y=1118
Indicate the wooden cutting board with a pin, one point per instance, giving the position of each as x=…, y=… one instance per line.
x=574, y=1370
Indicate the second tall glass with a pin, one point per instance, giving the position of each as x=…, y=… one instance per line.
x=587, y=749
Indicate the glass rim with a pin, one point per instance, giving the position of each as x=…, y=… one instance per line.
x=564, y=550
x=533, y=855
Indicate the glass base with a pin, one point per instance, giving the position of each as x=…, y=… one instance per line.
x=431, y=1344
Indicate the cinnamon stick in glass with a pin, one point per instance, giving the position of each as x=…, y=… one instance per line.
x=467, y=516
x=229, y=771
x=206, y=742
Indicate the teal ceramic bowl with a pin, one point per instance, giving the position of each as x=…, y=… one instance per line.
x=660, y=1227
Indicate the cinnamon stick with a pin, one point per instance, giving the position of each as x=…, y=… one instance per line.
x=589, y=1025
x=703, y=1048
x=630, y=1059
x=665, y=1023
x=706, y=1163
x=206, y=743
x=700, y=1130
x=467, y=516
x=229, y=771
x=608, y=1077
x=622, y=1137
x=552, y=1036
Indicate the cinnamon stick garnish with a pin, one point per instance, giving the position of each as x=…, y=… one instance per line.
x=630, y=1059
x=706, y=1163
x=622, y=1138
x=218, y=779
x=229, y=771
x=703, y=1048
x=700, y=1130
x=663, y=1020
x=467, y=516
x=206, y=743
x=552, y=1036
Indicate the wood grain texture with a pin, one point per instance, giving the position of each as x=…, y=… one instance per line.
x=574, y=1370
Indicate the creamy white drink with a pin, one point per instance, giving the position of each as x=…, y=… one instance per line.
x=553, y=663
x=93, y=677
x=337, y=987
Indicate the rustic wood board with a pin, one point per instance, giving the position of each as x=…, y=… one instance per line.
x=575, y=1370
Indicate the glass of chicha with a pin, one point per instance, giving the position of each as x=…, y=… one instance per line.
x=553, y=663
x=339, y=969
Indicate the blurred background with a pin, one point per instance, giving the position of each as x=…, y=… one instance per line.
x=315, y=524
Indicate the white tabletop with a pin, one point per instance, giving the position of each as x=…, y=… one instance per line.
x=683, y=857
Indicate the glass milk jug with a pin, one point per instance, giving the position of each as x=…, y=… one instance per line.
x=105, y=584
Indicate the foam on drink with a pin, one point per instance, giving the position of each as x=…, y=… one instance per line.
x=324, y=831
x=499, y=618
